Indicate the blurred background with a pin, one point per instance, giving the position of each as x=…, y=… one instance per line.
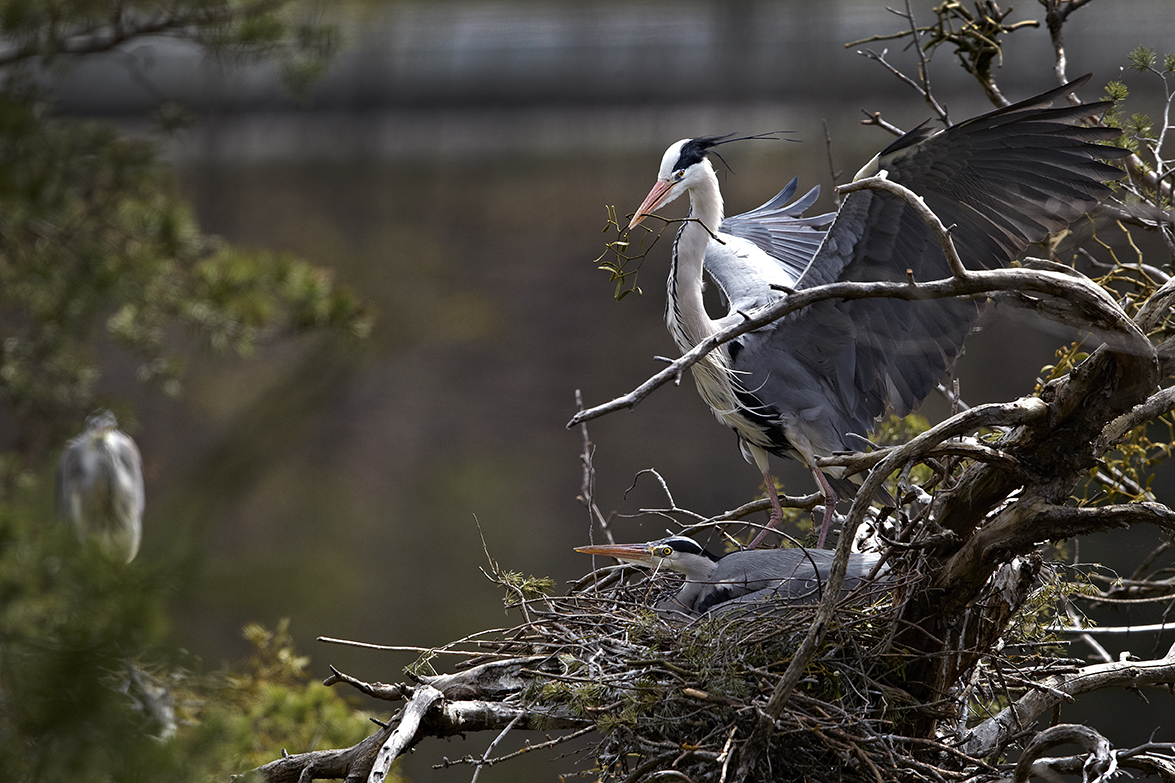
x=454, y=167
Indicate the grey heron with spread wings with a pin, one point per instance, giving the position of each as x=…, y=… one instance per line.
x=814, y=382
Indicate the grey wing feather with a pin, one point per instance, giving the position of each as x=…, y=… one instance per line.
x=780, y=230
x=788, y=575
x=1002, y=180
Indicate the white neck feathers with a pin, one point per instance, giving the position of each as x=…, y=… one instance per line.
x=685, y=315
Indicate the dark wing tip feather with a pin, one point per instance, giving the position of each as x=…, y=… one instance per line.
x=1002, y=180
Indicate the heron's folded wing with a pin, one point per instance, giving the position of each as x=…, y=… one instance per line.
x=130, y=472
x=68, y=479
x=783, y=577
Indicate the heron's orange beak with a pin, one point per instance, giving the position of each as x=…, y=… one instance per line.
x=633, y=553
x=652, y=202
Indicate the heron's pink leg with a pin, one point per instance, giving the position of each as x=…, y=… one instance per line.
x=776, y=510
x=829, y=507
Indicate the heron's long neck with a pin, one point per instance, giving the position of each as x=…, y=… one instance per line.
x=698, y=580
x=685, y=315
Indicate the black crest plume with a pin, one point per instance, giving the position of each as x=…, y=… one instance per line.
x=694, y=150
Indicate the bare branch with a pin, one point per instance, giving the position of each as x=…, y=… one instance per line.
x=993, y=733
x=923, y=67
x=406, y=648
x=1095, y=305
x=874, y=118
x=377, y=690
x=352, y=763
x=485, y=758
x=926, y=96
x=1056, y=12
x=405, y=732
x=1019, y=526
x=588, y=488
x=1112, y=630
x=1101, y=762
x=493, y=680
x=1157, y=307
x=931, y=442
x=1056, y=522
x=1156, y=405
x=429, y=713
x=941, y=232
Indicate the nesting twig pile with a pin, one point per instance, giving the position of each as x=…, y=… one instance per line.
x=668, y=693
x=681, y=698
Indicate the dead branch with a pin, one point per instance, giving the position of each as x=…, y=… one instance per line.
x=351, y=764
x=1097, y=308
x=1090, y=303
x=933, y=441
x=404, y=735
x=1158, y=404
x=1099, y=765
x=993, y=733
x=376, y=690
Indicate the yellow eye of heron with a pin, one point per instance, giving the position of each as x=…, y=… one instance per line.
x=663, y=551
x=677, y=175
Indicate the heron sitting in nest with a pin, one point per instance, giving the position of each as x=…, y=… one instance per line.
x=738, y=579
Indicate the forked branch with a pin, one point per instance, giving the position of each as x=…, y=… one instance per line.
x=1086, y=301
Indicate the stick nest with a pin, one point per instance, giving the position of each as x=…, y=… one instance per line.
x=681, y=695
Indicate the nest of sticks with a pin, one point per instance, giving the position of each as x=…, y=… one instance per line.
x=667, y=693
x=683, y=697
x=652, y=696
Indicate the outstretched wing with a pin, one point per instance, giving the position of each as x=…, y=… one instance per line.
x=758, y=252
x=1002, y=180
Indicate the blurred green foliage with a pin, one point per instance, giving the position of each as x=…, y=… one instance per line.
x=267, y=703
x=95, y=245
x=98, y=252
x=91, y=691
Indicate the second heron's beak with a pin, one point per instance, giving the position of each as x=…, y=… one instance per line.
x=657, y=196
x=631, y=553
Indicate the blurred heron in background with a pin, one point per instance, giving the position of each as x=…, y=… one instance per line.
x=813, y=383
x=100, y=487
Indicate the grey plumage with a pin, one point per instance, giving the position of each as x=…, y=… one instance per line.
x=742, y=579
x=100, y=487
x=814, y=383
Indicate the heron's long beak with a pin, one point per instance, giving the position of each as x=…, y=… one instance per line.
x=633, y=553
x=657, y=196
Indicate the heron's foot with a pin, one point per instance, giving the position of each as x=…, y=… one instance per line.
x=827, y=522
